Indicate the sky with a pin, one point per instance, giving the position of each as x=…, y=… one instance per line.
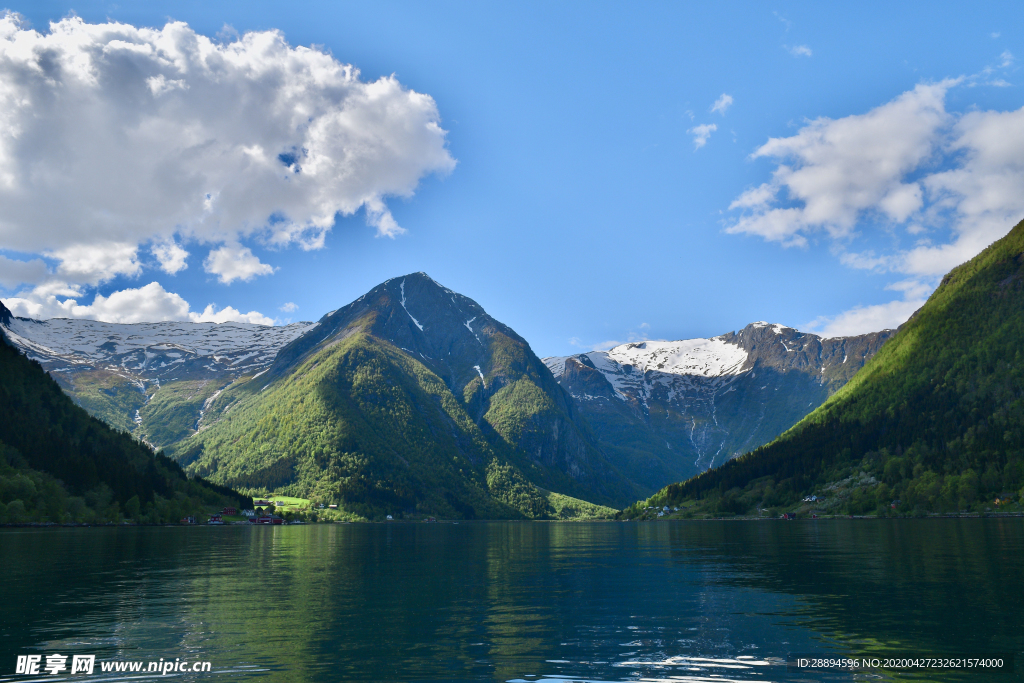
x=590, y=173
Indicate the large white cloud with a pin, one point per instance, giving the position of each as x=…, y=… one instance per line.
x=942, y=185
x=151, y=303
x=113, y=137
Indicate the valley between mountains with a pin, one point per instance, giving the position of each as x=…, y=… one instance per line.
x=413, y=401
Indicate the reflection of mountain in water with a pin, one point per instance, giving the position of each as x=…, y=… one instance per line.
x=498, y=601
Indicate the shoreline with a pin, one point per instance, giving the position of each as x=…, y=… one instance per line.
x=83, y=525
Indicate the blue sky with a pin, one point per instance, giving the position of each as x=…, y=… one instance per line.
x=568, y=193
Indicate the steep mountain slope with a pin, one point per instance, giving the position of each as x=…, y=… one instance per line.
x=664, y=411
x=148, y=378
x=934, y=420
x=52, y=449
x=410, y=399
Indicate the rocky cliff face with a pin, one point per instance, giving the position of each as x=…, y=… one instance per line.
x=664, y=411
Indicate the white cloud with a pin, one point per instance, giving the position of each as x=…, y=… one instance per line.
x=171, y=256
x=799, y=51
x=1007, y=58
x=91, y=263
x=151, y=303
x=235, y=262
x=701, y=134
x=229, y=315
x=835, y=171
x=289, y=307
x=864, y=319
x=378, y=216
x=144, y=134
x=941, y=187
x=14, y=273
x=722, y=103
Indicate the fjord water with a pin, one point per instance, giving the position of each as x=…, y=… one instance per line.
x=679, y=601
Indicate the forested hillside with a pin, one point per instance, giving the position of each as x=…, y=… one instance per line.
x=934, y=422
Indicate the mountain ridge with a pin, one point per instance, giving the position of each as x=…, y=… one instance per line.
x=409, y=363
x=655, y=403
x=151, y=379
x=931, y=423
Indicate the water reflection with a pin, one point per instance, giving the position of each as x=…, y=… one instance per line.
x=515, y=601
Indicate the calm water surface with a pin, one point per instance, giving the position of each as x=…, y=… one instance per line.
x=667, y=601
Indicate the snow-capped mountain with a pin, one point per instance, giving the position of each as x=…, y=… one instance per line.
x=151, y=350
x=659, y=411
x=674, y=408
x=116, y=371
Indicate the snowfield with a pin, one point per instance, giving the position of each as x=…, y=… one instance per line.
x=150, y=348
x=626, y=363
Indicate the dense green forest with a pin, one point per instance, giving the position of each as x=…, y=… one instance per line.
x=59, y=464
x=933, y=423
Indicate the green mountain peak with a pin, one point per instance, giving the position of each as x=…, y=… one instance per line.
x=409, y=400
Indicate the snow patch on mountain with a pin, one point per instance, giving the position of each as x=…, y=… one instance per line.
x=556, y=364
x=704, y=357
x=626, y=364
x=417, y=322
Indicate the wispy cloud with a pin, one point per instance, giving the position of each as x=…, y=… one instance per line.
x=642, y=333
x=701, y=134
x=722, y=104
x=864, y=319
x=799, y=50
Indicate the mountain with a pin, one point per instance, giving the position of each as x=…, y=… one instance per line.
x=413, y=400
x=57, y=463
x=151, y=379
x=666, y=410
x=933, y=422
